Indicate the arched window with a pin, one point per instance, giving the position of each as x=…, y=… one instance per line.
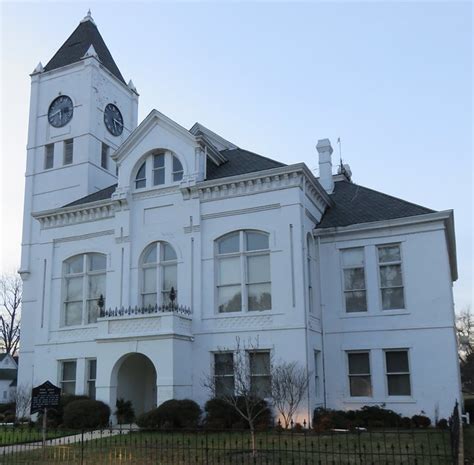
x=140, y=178
x=243, y=272
x=161, y=167
x=84, y=283
x=159, y=275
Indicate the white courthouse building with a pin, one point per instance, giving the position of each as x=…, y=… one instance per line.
x=148, y=248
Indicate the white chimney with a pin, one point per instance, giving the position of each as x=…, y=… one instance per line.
x=325, y=165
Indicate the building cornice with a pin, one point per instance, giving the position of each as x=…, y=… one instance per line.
x=260, y=181
x=446, y=217
x=67, y=216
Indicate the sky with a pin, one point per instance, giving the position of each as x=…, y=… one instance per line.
x=392, y=80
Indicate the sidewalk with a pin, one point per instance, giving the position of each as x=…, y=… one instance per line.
x=65, y=440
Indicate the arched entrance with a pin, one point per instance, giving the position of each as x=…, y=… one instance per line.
x=135, y=380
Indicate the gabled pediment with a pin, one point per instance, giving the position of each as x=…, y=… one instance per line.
x=217, y=141
x=153, y=120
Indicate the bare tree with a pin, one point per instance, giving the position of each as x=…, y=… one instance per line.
x=22, y=401
x=465, y=332
x=289, y=385
x=10, y=312
x=245, y=397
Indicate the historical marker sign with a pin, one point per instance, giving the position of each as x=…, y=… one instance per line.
x=44, y=396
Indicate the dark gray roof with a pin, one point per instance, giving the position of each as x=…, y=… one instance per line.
x=240, y=162
x=76, y=46
x=354, y=204
x=103, y=194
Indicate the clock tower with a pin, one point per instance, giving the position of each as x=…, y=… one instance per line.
x=81, y=110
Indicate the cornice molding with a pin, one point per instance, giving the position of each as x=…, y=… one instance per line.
x=67, y=216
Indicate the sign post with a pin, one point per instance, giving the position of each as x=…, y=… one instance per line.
x=43, y=396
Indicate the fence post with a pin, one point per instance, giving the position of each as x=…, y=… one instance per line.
x=457, y=440
x=82, y=446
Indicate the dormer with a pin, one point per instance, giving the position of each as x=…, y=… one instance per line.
x=159, y=153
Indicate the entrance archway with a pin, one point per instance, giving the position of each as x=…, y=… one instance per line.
x=135, y=377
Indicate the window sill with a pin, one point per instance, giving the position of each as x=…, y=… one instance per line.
x=373, y=314
x=68, y=328
x=242, y=314
x=385, y=400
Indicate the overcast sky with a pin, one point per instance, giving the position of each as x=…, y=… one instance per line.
x=393, y=80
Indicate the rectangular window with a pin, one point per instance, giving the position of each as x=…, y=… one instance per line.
x=354, y=280
x=91, y=377
x=398, y=372
x=68, y=151
x=104, y=156
x=360, y=384
x=68, y=377
x=48, y=156
x=391, y=281
x=260, y=378
x=316, y=373
x=224, y=374
x=228, y=285
x=158, y=169
x=177, y=170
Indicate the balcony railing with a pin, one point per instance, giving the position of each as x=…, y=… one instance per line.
x=149, y=310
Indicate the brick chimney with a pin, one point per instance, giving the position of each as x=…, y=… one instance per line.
x=325, y=165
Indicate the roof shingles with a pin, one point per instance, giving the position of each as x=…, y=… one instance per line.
x=76, y=46
x=354, y=204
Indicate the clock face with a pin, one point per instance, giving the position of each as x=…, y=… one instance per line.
x=60, y=111
x=113, y=119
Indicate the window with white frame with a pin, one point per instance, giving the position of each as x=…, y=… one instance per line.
x=224, y=374
x=48, y=156
x=91, y=377
x=177, y=169
x=354, y=279
x=360, y=383
x=391, y=280
x=68, y=151
x=140, y=178
x=243, y=272
x=68, y=376
x=162, y=167
x=84, y=284
x=316, y=373
x=397, y=372
x=260, y=374
x=159, y=275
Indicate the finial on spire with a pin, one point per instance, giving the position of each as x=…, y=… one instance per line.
x=88, y=17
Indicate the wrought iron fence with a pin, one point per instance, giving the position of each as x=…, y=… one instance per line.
x=22, y=445
x=148, y=310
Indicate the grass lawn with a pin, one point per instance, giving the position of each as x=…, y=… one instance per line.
x=23, y=434
x=469, y=444
x=233, y=448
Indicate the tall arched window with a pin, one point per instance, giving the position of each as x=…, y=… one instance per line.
x=243, y=272
x=84, y=283
x=160, y=167
x=159, y=274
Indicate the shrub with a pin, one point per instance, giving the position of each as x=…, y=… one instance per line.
x=405, y=422
x=469, y=407
x=8, y=408
x=221, y=415
x=173, y=413
x=368, y=416
x=298, y=427
x=442, y=424
x=86, y=413
x=124, y=412
x=420, y=421
x=55, y=415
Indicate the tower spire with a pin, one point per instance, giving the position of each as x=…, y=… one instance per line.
x=88, y=17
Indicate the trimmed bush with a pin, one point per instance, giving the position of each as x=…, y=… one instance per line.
x=420, y=421
x=55, y=415
x=405, y=423
x=367, y=417
x=222, y=415
x=86, y=413
x=173, y=413
x=442, y=424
